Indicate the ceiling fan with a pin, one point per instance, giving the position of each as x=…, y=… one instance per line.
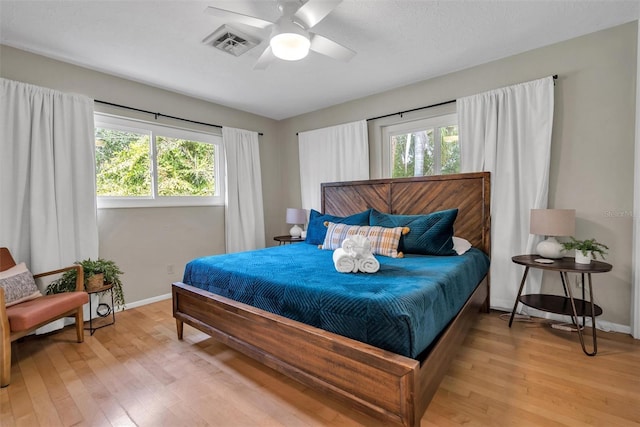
x=290, y=37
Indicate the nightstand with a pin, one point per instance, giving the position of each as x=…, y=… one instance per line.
x=288, y=239
x=567, y=304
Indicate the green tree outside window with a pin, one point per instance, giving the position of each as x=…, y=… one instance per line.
x=124, y=167
x=428, y=152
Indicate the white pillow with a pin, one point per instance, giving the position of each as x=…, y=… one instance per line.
x=18, y=285
x=460, y=245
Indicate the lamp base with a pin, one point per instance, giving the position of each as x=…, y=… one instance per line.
x=295, y=231
x=550, y=248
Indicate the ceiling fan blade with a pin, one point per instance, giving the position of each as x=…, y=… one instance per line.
x=265, y=59
x=330, y=48
x=238, y=17
x=314, y=11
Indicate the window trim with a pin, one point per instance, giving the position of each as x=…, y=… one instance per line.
x=141, y=126
x=411, y=126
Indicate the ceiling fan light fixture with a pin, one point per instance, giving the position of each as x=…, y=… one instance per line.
x=290, y=42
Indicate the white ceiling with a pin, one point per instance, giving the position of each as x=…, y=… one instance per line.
x=397, y=42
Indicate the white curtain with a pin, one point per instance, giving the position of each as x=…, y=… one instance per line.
x=336, y=153
x=508, y=132
x=244, y=213
x=47, y=176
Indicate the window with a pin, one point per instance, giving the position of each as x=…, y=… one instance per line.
x=422, y=147
x=141, y=164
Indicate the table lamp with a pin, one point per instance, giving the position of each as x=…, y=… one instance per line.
x=552, y=223
x=295, y=217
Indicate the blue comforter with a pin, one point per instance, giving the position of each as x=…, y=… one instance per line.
x=401, y=308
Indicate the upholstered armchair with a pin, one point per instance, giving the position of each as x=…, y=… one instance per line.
x=23, y=308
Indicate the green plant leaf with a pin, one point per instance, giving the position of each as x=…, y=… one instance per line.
x=67, y=282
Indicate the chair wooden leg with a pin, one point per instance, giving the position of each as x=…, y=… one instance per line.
x=5, y=343
x=80, y=325
x=5, y=360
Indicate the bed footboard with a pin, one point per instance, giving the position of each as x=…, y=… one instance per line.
x=374, y=381
x=385, y=385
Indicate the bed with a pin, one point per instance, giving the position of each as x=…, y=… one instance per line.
x=385, y=383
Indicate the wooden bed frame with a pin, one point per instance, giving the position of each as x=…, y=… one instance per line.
x=380, y=383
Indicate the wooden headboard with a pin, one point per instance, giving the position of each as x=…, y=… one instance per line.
x=469, y=192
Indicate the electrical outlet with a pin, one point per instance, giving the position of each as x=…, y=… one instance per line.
x=170, y=269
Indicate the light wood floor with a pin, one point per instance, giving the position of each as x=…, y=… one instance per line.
x=136, y=372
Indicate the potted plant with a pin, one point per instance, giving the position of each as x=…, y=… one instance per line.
x=105, y=271
x=586, y=249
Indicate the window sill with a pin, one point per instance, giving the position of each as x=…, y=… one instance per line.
x=173, y=202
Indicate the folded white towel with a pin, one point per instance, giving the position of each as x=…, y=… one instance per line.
x=344, y=262
x=368, y=264
x=357, y=246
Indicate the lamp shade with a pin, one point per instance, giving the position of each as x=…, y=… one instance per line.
x=296, y=216
x=553, y=222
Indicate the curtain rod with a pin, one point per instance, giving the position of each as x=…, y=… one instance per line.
x=156, y=115
x=400, y=113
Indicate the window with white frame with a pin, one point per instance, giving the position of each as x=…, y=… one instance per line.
x=140, y=164
x=422, y=147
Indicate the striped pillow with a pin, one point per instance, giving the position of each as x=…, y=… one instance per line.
x=384, y=241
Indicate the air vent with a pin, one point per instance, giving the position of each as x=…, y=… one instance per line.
x=230, y=40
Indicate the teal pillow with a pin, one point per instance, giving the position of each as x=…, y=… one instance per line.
x=430, y=234
x=316, y=231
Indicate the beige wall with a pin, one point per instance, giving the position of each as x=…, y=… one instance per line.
x=592, y=146
x=147, y=243
x=591, y=165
